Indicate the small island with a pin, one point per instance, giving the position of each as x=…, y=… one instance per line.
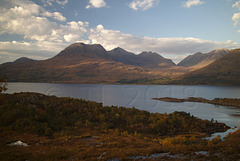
x=233, y=102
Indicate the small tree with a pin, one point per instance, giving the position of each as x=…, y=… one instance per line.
x=3, y=85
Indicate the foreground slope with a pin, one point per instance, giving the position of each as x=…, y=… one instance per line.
x=224, y=71
x=71, y=129
x=40, y=114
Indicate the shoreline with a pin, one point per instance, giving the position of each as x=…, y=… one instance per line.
x=117, y=83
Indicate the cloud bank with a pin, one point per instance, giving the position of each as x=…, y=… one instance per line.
x=44, y=37
x=165, y=46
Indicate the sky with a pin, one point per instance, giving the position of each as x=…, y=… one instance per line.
x=40, y=29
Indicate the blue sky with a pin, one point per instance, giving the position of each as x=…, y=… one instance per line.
x=40, y=29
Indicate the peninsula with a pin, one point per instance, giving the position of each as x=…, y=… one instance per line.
x=234, y=102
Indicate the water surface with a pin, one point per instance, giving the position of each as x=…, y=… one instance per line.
x=140, y=97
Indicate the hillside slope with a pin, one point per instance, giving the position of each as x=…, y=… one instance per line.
x=200, y=60
x=224, y=71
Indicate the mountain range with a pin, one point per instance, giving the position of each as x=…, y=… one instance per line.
x=83, y=63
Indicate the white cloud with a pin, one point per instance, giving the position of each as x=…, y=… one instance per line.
x=78, y=25
x=237, y=5
x=236, y=16
x=71, y=38
x=64, y=2
x=47, y=2
x=55, y=15
x=24, y=19
x=191, y=3
x=143, y=4
x=96, y=4
x=31, y=21
x=10, y=51
x=50, y=2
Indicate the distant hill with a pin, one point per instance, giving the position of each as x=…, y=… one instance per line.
x=123, y=56
x=200, y=60
x=20, y=60
x=23, y=60
x=154, y=61
x=82, y=63
x=147, y=60
x=224, y=71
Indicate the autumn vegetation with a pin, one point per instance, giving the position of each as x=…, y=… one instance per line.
x=45, y=115
x=74, y=129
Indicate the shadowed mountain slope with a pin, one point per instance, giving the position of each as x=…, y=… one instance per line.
x=147, y=60
x=200, y=60
x=224, y=71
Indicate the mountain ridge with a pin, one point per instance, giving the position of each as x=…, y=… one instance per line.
x=97, y=51
x=224, y=71
x=200, y=60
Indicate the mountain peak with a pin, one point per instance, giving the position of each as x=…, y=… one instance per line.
x=118, y=50
x=198, y=53
x=23, y=60
x=84, y=50
x=86, y=46
x=119, y=53
x=20, y=60
x=220, y=51
x=149, y=53
x=154, y=60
